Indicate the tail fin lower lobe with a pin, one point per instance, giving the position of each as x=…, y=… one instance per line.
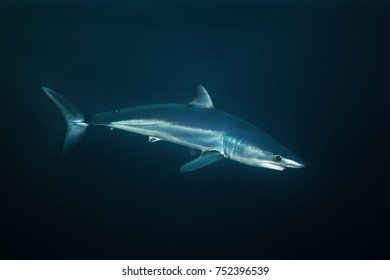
x=75, y=119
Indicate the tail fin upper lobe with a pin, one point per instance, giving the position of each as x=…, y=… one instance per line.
x=75, y=119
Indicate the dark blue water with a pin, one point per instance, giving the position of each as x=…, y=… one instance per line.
x=313, y=74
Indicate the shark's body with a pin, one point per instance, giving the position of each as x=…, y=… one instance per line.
x=196, y=125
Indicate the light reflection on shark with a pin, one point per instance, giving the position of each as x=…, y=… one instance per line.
x=197, y=125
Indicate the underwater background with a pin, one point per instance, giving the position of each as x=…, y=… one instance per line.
x=313, y=74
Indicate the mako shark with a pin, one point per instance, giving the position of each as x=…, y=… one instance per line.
x=196, y=125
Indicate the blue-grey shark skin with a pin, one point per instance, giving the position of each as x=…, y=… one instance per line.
x=197, y=125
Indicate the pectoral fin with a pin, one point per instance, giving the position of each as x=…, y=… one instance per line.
x=205, y=158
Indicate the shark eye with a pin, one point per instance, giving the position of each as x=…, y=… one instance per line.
x=277, y=158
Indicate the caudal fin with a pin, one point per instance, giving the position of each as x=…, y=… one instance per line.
x=75, y=119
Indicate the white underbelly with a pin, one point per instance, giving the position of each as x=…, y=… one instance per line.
x=197, y=138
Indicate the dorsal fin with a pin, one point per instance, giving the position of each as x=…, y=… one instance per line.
x=201, y=98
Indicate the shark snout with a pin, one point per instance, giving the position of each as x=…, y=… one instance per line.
x=294, y=163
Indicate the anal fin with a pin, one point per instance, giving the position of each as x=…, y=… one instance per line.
x=153, y=139
x=205, y=158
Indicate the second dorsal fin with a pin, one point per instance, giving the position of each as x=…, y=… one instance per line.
x=201, y=98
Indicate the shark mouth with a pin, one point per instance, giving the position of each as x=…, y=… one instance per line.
x=270, y=165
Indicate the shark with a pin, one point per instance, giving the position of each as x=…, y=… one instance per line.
x=197, y=124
